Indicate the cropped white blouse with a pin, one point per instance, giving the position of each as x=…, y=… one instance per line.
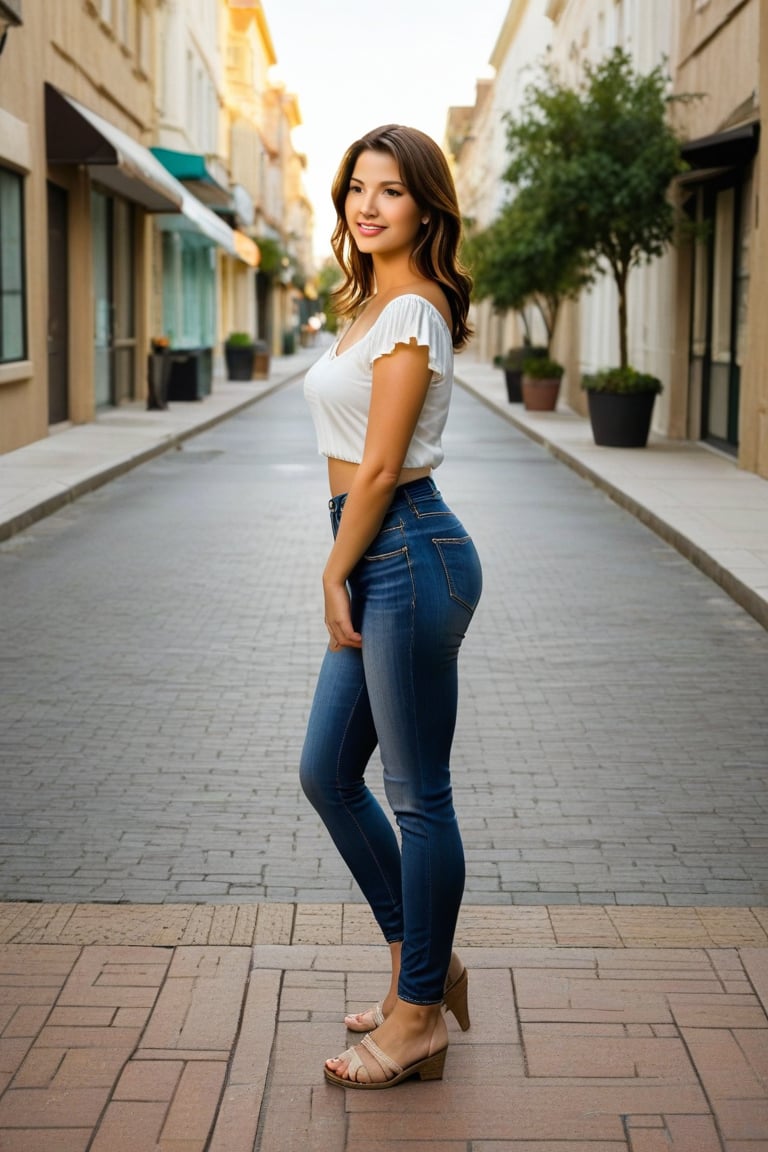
x=338, y=385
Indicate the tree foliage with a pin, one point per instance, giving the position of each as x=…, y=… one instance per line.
x=329, y=278
x=592, y=167
x=527, y=256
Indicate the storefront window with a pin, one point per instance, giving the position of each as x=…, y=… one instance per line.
x=13, y=343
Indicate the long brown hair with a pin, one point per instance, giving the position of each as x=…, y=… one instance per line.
x=425, y=173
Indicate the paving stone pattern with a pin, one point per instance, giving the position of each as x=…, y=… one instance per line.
x=219, y=1048
x=159, y=641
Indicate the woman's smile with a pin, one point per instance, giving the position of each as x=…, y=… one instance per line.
x=378, y=204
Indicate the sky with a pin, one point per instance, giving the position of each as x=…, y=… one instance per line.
x=356, y=64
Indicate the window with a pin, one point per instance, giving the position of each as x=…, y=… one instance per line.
x=143, y=40
x=126, y=23
x=13, y=337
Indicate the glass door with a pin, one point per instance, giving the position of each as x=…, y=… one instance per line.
x=123, y=281
x=114, y=321
x=720, y=284
x=101, y=230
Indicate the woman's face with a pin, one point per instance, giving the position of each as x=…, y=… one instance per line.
x=382, y=216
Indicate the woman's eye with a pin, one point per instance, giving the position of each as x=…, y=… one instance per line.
x=355, y=188
x=393, y=192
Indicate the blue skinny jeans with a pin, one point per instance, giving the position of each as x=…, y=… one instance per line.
x=413, y=594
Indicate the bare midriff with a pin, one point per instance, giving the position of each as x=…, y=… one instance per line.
x=341, y=473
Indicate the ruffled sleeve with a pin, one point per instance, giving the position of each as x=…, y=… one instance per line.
x=412, y=318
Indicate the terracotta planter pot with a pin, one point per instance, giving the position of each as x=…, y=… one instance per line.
x=540, y=395
x=620, y=419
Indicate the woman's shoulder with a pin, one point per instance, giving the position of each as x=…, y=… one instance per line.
x=425, y=297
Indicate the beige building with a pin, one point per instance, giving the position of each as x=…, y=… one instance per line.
x=126, y=215
x=261, y=117
x=476, y=141
x=722, y=52
x=695, y=315
x=56, y=325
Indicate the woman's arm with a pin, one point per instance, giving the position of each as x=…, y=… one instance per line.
x=400, y=383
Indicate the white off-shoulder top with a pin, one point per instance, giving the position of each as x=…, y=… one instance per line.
x=338, y=385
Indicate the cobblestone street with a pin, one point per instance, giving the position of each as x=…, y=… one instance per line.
x=160, y=639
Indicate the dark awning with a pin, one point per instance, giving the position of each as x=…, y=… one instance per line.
x=730, y=149
x=76, y=135
x=194, y=171
x=10, y=11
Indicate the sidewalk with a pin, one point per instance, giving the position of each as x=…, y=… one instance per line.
x=203, y=1027
x=37, y=480
x=696, y=499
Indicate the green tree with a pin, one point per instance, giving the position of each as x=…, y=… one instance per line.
x=529, y=254
x=328, y=279
x=603, y=155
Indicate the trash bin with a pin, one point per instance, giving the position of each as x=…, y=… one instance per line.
x=289, y=342
x=261, y=359
x=189, y=375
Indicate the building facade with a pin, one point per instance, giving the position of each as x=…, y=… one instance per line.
x=126, y=216
x=476, y=142
x=695, y=314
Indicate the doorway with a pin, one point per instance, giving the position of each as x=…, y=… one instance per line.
x=114, y=321
x=58, y=306
x=718, y=329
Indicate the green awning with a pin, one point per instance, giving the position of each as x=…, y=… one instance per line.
x=193, y=170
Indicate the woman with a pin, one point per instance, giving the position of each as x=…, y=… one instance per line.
x=400, y=585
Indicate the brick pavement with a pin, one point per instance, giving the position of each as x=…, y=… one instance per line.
x=160, y=640
x=185, y=1029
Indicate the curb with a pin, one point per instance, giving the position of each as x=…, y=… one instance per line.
x=36, y=512
x=738, y=591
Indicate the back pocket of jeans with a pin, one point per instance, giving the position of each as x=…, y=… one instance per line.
x=461, y=565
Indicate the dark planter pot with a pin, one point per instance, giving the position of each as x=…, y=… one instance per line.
x=514, y=379
x=540, y=395
x=621, y=419
x=239, y=361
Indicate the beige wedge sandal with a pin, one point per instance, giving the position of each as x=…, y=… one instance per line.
x=455, y=1000
x=429, y=1068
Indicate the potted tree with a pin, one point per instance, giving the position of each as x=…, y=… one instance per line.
x=499, y=277
x=239, y=352
x=620, y=404
x=541, y=383
x=512, y=363
x=529, y=256
x=607, y=155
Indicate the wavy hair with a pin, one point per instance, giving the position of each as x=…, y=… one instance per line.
x=424, y=171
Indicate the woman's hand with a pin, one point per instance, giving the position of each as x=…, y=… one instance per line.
x=338, y=617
